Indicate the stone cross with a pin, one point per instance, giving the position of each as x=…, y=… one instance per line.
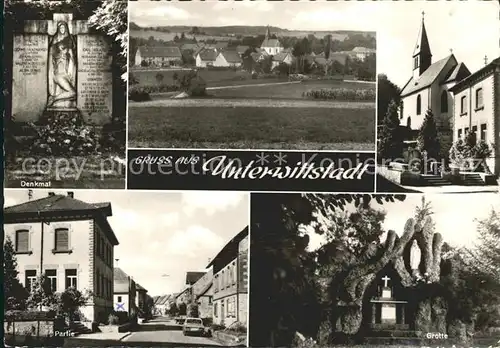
x=485, y=60
x=54, y=72
x=386, y=280
x=423, y=15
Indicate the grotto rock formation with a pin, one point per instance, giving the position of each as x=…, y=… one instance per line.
x=430, y=313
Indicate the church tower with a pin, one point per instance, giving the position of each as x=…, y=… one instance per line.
x=422, y=57
x=268, y=33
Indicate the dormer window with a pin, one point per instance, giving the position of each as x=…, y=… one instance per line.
x=416, y=62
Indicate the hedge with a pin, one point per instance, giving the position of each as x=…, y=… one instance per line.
x=344, y=94
x=18, y=315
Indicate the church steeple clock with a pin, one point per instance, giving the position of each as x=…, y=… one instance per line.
x=422, y=57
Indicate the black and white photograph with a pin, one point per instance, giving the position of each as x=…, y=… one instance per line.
x=351, y=270
x=438, y=120
x=116, y=268
x=65, y=71
x=252, y=75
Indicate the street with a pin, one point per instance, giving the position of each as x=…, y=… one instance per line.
x=164, y=330
x=159, y=332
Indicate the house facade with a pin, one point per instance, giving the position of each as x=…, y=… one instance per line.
x=429, y=87
x=206, y=57
x=362, y=53
x=203, y=294
x=229, y=59
x=158, y=56
x=283, y=57
x=477, y=109
x=71, y=242
x=141, y=298
x=230, y=288
x=124, y=294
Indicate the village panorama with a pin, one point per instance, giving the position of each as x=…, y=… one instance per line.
x=198, y=84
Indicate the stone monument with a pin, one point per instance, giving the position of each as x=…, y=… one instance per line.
x=61, y=68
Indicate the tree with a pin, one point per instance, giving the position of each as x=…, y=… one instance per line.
x=193, y=310
x=15, y=294
x=173, y=310
x=182, y=308
x=183, y=36
x=176, y=38
x=70, y=300
x=112, y=19
x=41, y=295
x=428, y=137
x=487, y=252
x=387, y=92
x=390, y=146
x=159, y=78
x=327, y=50
x=287, y=299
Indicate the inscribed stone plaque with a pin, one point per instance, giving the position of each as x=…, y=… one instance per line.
x=29, y=75
x=95, y=87
x=388, y=314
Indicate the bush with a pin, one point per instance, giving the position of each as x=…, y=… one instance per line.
x=238, y=328
x=138, y=94
x=208, y=322
x=217, y=327
x=113, y=319
x=17, y=315
x=344, y=94
x=67, y=136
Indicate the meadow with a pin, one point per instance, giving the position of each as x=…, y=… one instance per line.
x=243, y=113
x=312, y=128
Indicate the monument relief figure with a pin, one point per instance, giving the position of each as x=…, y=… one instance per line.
x=62, y=69
x=415, y=257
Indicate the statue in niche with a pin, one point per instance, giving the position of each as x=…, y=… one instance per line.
x=62, y=69
x=415, y=258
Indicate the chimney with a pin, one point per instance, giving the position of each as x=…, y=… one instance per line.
x=52, y=194
x=71, y=194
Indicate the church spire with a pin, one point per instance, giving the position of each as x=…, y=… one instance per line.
x=422, y=56
x=268, y=33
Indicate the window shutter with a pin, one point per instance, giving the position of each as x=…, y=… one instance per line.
x=22, y=243
x=62, y=241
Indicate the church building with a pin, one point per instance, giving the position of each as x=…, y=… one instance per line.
x=271, y=46
x=429, y=86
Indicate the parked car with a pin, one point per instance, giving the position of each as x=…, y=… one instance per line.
x=194, y=326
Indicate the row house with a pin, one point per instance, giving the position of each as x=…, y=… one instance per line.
x=71, y=242
x=124, y=293
x=203, y=294
x=477, y=109
x=158, y=56
x=230, y=288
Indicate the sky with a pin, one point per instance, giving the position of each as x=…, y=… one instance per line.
x=455, y=215
x=164, y=233
x=469, y=28
x=286, y=15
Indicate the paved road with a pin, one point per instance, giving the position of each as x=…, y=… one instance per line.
x=165, y=331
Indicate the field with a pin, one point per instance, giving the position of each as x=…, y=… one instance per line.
x=252, y=127
x=251, y=114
